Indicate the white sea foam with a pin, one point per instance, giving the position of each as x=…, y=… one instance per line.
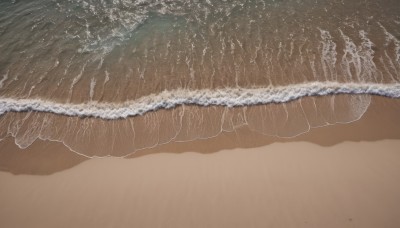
x=350, y=58
x=328, y=58
x=391, y=38
x=5, y=77
x=92, y=86
x=229, y=97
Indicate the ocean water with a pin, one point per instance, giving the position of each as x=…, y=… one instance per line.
x=110, y=77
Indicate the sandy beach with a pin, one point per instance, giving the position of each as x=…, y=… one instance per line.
x=188, y=113
x=344, y=175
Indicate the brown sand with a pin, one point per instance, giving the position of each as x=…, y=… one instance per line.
x=337, y=176
x=281, y=185
x=380, y=122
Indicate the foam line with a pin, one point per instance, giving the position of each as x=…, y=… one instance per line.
x=229, y=97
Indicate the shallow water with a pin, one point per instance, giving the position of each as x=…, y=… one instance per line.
x=111, y=77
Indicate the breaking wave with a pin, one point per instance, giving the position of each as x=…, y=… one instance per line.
x=224, y=97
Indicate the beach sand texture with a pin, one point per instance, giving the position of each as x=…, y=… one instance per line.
x=337, y=176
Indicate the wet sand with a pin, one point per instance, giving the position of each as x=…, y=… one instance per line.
x=337, y=176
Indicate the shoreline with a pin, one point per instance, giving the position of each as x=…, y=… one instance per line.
x=378, y=123
x=345, y=175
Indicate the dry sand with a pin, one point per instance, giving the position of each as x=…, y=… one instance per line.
x=338, y=176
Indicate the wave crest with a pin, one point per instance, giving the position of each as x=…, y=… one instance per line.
x=229, y=97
